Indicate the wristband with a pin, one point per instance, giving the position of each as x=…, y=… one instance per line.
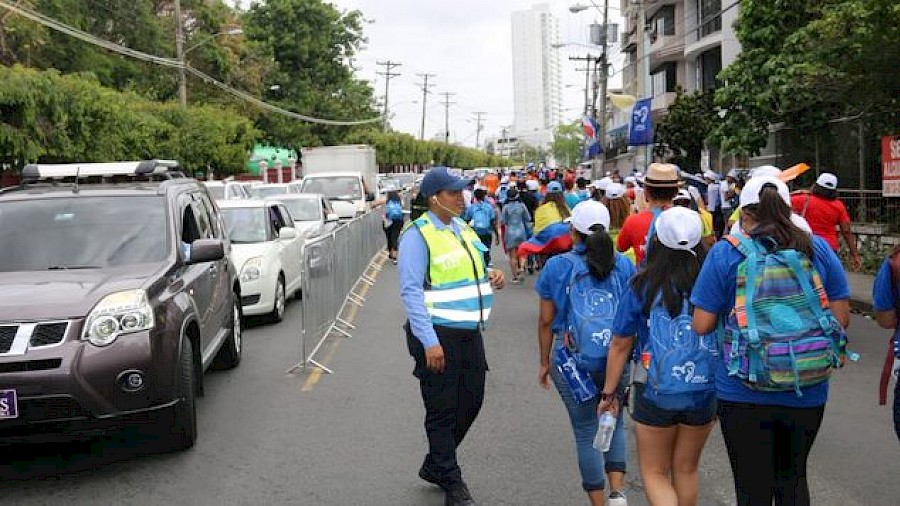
x=607, y=397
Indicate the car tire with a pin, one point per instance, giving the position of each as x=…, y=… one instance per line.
x=181, y=433
x=229, y=355
x=280, y=303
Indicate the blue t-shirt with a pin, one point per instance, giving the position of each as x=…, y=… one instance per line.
x=554, y=279
x=714, y=292
x=572, y=200
x=883, y=295
x=487, y=211
x=630, y=318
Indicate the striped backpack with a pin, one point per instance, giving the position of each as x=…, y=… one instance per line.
x=781, y=335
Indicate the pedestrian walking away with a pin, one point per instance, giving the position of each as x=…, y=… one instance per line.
x=393, y=221
x=579, y=293
x=517, y=220
x=674, y=411
x=826, y=214
x=886, y=302
x=482, y=217
x=660, y=187
x=446, y=289
x=787, y=291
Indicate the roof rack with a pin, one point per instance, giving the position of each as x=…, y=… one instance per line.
x=165, y=169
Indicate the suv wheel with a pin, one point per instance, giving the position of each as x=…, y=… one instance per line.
x=280, y=301
x=182, y=433
x=229, y=355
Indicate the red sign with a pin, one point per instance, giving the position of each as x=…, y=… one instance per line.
x=890, y=165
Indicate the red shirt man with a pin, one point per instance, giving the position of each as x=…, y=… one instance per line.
x=661, y=186
x=825, y=214
x=634, y=234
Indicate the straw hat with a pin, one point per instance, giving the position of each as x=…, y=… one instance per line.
x=662, y=175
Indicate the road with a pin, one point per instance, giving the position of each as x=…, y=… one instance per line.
x=356, y=438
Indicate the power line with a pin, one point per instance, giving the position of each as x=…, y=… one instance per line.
x=425, y=90
x=479, y=117
x=447, y=103
x=169, y=62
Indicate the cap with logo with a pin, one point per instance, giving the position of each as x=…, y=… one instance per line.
x=587, y=214
x=679, y=228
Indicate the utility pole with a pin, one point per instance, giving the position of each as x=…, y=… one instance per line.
x=425, y=89
x=447, y=103
x=179, y=52
x=479, y=117
x=388, y=75
x=587, y=80
x=604, y=76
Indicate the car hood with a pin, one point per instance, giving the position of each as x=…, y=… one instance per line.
x=44, y=295
x=240, y=253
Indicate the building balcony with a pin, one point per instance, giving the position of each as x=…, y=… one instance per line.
x=666, y=48
x=712, y=40
x=663, y=101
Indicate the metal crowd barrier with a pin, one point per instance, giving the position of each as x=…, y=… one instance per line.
x=334, y=267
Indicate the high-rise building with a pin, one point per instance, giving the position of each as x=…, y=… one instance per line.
x=537, y=75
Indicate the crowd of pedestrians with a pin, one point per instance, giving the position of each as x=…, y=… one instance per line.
x=719, y=300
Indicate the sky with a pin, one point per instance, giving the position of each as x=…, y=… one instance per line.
x=467, y=44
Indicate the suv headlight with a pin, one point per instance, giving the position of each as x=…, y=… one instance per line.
x=118, y=314
x=251, y=270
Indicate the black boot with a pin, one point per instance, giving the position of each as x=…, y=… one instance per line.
x=458, y=495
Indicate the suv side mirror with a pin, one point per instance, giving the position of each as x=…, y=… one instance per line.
x=370, y=197
x=206, y=250
x=287, y=233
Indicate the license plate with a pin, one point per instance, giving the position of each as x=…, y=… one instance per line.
x=9, y=407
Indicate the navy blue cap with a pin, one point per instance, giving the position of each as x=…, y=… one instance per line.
x=439, y=179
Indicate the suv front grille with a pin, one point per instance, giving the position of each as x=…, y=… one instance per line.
x=17, y=338
x=46, y=334
x=7, y=335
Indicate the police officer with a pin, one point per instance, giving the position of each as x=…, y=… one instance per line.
x=446, y=289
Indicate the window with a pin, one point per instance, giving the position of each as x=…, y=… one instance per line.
x=709, y=16
x=664, y=79
x=709, y=64
x=664, y=21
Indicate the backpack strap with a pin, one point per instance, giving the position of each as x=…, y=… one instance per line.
x=815, y=296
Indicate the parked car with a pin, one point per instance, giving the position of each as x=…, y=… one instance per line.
x=311, y=212
x=261, y=191
x=226, y=190
x=266, y=249
x=114, y=299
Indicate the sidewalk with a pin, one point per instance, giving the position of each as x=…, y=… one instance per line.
x=861, y=291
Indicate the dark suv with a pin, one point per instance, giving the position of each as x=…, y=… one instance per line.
x=116, y=294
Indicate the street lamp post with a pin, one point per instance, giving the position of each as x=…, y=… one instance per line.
x=603, y=75
x=181, y=53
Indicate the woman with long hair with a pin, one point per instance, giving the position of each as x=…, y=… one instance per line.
x=619, y=210
x=551, y=234
x=393, y=221
x=515, y=217
x=579, y=291
x=671, y=425
x=770, y=417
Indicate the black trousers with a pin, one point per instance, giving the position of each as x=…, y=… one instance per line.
x=452, y=399
x=768, y=447
x=486, y=240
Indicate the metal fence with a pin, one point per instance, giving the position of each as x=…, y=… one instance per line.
x=869, y=206
x=334, y=267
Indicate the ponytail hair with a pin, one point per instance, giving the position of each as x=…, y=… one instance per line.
x=773, y=222
x=599, y=255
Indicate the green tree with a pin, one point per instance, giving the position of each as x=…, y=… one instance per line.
x=681, y=133
x=567, y=143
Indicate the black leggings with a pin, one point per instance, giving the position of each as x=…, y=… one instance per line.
x=768, y=447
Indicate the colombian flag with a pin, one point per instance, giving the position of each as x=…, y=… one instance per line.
x=552, y=240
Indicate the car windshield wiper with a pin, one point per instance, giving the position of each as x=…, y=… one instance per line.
x=64, y=267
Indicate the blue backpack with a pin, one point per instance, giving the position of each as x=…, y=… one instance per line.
x=592, y=308
x=394, y=211
x=682, y=363
x=481, y=217
x=501, y=194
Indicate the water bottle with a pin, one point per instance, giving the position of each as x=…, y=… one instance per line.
x=605, y=430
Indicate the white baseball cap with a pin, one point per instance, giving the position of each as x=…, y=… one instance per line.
x=532, y=184
x=827, y=180
x=679, y=228
x=504, y=180
x=587, y=214
x=750, y=192
x=765, y=170
x=630, y=179
x=682, y=194
x=615, y=191
x=711, y=175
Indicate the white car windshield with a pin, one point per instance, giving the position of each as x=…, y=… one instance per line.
x=261, y=192
x=335, y=188
x=246, y=224
x=217, y=192
x=304, y=209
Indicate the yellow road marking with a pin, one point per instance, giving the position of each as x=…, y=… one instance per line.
x=317, y=373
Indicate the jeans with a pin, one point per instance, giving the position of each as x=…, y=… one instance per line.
x=592, y=463
x=486, y=240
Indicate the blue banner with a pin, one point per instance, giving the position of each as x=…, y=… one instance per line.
x=641, y=124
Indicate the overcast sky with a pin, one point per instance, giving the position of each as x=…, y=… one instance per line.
x=468, y=45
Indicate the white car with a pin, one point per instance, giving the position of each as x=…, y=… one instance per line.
x=226, y=190
x=266, y=250
x=311, y=212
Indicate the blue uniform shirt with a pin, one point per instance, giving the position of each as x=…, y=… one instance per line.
x=883, y=295
x=714, y=292
x=630, y=318
x=554, y=279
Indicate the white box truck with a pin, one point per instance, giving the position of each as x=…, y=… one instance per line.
x=344, y=174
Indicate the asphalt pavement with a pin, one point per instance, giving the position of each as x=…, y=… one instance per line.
x=355, y=437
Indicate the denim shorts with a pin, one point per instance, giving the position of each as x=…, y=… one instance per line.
x=647, y=413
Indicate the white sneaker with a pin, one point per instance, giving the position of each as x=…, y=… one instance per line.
x=617, y=498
